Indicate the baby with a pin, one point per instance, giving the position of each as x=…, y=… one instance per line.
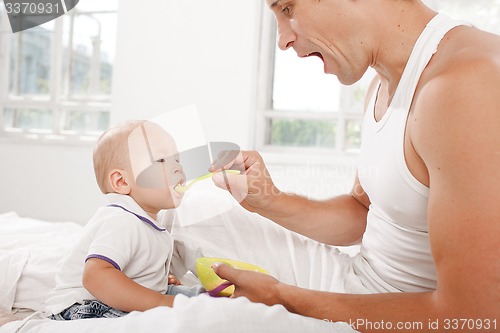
x=122, y=260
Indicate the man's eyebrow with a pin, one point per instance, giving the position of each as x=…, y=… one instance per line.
x=274, y=4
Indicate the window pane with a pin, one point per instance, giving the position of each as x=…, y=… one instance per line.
x=86, y=121
x=303, y=133
x=89, y=53
x=484, y=14
x=30, y=61
x=352, y=135
x=301, y=85
x=21, y=118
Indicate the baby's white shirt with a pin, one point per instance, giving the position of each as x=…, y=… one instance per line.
x=125, y=236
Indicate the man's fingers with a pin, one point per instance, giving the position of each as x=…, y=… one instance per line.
x=236, y=184
x=225, y=271
x=225, y=160
x=236, y=160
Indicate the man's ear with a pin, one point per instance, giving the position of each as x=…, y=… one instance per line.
x=118, y=181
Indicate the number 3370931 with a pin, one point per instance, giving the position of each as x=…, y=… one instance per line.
x=31, y=8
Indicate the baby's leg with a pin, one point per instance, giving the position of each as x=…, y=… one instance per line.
x=89, y=309
x=185, y=290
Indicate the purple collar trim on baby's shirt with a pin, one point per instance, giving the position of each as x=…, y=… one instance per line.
x=142, y=218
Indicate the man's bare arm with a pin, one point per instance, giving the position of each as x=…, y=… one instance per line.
x=337, y=221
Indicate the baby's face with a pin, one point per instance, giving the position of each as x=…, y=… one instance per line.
x=156, y=168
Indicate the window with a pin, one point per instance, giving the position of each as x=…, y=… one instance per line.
x=56, y=78
x=303, y=110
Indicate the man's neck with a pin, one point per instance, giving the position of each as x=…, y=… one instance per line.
x=404, y=26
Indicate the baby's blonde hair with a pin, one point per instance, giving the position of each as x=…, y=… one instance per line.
x=111, y=152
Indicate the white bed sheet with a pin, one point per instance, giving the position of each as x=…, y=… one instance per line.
x=208, y=223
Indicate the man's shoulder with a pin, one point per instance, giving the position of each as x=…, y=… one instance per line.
x=466, y=64
x=465, y=54
x=459, y=90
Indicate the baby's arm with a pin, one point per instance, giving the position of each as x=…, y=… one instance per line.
x=110, y=286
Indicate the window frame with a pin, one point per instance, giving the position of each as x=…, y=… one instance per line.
x=59, y=100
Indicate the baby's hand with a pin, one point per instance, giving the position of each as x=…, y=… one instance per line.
x=172, y=279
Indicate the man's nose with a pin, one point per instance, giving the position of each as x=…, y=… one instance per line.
x=286, y=36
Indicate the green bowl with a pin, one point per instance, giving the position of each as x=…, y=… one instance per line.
x=210, y=280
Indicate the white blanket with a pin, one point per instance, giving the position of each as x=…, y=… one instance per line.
x=12, y=264
x=36, y=247
x=199, y=314
x=208, y=223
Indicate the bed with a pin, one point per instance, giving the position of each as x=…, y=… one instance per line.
x=31, y=251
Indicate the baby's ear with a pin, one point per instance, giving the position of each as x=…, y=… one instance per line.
x=118, y=181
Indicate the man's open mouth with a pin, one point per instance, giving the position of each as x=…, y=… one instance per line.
x=317, y=54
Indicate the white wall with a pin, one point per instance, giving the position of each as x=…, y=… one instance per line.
x=51, y=182
x=189, y=52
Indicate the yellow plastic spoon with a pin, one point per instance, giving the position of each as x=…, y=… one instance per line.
x=183, y=188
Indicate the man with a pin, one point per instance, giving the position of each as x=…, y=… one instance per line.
x=429, y=219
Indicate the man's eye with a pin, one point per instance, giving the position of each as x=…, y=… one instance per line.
x=161, y=160
x=287, y=10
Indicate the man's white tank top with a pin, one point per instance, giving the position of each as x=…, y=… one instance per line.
x=395, y=251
